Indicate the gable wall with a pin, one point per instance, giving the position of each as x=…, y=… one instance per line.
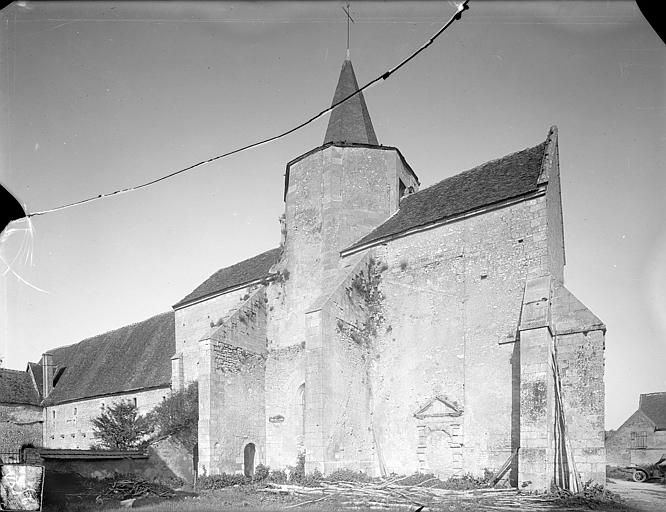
x=556, y=257
x=194, y=322
x=231, y=389
x=449, y=331
x=70, y=431
x=619, y=451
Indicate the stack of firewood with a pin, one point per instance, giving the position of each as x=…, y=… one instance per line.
x=126, y=488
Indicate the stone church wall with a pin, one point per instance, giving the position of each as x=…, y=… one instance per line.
x=580, y=358
x=338, y=394
x=231, y=391
x=194, y=322
x=452, y=299
x=334, y=196
x=285, y=401
x=68, y=425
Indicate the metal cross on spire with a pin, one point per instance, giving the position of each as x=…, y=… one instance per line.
x=349, y=18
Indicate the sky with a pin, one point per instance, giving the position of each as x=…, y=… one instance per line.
x=100, y=96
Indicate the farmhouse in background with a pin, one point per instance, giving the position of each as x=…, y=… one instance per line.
x=642, y=438
x=393, y=330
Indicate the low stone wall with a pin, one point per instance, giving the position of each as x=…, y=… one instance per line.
x=165, y=461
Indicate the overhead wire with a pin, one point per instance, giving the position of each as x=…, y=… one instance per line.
x=457, y=16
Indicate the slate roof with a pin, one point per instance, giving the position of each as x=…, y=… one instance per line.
x=16, y=387
x=241, y=273
x=654, y=407
x=495, y=181
x=133, y=357
x=350, y=121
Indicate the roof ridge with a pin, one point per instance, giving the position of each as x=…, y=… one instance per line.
x=12, y=370
x=233, y=276
x=477, y=167
x=109, y=331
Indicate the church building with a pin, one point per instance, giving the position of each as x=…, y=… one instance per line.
x=393, y=330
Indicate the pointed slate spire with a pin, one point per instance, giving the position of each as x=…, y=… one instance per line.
x=349, y=122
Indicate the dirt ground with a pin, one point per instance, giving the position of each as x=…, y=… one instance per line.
x=240, y=499
x=643, y=496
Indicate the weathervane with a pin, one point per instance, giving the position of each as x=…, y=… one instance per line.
x=349, y=18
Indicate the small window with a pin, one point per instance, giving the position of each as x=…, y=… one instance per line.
x=639, y=440
x=54, y=415
x=102, y=406
x=134, y=402
x=75, y=411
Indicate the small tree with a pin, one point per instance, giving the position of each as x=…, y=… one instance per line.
x=120, y=427
x=178, y=415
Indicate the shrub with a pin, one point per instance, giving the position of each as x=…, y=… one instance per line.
x=120, y=427
x=313, y=479
x=178, y=416
x=212, y=482
x=261, y=473
x=297, y=473
x=278, y=476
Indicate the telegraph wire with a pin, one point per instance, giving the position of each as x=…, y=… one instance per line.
x=457, y=16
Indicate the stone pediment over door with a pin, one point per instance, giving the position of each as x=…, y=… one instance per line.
x=439, y=407
x=439, y=428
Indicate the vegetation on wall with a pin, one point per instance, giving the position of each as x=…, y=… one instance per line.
x=121, y=427
x=365, y=287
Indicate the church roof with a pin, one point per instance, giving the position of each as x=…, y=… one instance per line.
x=498, y=180
x=350, y=121
x=654, y=407
x=239, y=274
x=16, y=387
x=136, y=356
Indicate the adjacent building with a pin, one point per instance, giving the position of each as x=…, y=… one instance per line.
x=642, y=438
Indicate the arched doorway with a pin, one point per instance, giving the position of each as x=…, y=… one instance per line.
x=248, y=460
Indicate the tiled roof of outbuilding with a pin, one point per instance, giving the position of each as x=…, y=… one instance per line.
x=16, y=387
x=133, y=357
x=241, y=273
x=654, y=407
x=493, y=182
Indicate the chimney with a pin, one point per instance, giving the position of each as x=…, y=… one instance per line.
x=47, y=374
